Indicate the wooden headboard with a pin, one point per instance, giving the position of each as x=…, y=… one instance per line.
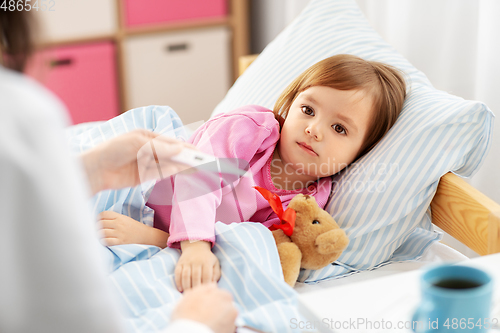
x=457, y=208
x=467, y=214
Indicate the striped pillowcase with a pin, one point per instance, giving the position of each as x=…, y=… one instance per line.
x=382, y=202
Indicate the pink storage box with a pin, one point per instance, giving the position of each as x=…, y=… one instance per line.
x=145, y=12
x=83, y=76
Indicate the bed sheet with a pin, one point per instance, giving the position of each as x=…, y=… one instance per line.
x=435, y=254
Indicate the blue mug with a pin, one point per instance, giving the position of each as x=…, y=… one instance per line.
x=454, y=299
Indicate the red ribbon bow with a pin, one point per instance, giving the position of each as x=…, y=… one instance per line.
x=287, y=217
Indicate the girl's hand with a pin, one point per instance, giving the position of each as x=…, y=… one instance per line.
x=197, y=265
x=117, y=229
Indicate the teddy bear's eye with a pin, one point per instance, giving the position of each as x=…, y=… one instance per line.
x=315, y=222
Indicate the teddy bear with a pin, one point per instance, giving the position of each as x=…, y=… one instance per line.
x=307, y=237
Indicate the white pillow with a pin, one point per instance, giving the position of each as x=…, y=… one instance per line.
x=382, y=202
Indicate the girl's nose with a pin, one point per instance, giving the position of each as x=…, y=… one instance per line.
x=313, y=131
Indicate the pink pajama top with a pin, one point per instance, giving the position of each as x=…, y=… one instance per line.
x=189, y=205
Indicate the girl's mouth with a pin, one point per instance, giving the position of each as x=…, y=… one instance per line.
x=308, y=149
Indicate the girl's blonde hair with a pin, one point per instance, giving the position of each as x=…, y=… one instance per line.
x=384, y=83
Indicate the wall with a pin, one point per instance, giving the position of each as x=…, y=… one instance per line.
x=269, y=17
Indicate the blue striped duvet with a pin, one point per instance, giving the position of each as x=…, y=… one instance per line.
x=143, y=277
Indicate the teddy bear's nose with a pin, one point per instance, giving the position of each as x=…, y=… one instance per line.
x=307, y=196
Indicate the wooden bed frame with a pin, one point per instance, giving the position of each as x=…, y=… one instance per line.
x=457, y=208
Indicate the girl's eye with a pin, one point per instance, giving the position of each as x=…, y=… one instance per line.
x=339, y=129
x=307, y=110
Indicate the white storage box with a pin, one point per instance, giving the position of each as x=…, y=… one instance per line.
x=186, y=70
x=63, y=20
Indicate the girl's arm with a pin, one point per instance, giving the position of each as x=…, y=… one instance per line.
x=119, y=229
x=241, y=134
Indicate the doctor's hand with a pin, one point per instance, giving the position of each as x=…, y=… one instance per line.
x=208, y=305
x=197, y=265
x=131, y=159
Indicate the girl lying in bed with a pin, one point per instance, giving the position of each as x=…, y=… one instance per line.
x=329, y=116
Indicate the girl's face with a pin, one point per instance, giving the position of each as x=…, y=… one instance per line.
x=324, y=131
